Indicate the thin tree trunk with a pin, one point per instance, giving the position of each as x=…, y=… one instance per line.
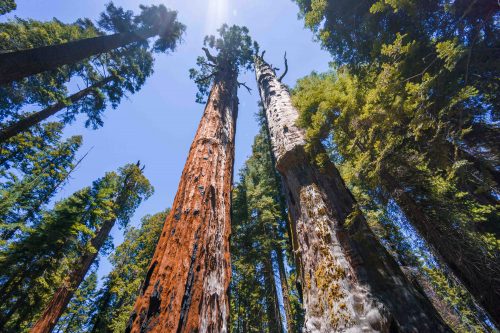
x=20, y=64
x=477, y=270
x=186, y=286
x=37, y=117
x=272, y=304
x=55, y=308
x=285, y=290
x=350, y=282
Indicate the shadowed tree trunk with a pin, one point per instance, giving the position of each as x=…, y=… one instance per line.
x=285, y=290
x=25, y=123
x=19, y=64
x=271, y=296
x=186, y=286
x=471, y=263
x=350, y=283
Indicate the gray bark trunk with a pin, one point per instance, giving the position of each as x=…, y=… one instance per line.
x=350, y=283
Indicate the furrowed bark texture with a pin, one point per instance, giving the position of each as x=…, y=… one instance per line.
x=350, y=283
x=186, y=286
x=19, y=64
x=64, y=293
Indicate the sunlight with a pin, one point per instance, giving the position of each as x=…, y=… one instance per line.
x=217, y=14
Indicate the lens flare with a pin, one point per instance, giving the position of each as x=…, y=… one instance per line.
x=217, y=14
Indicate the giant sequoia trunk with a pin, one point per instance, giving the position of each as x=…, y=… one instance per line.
x=19, y=64
x=35, y=118
x=471, y=263
x=186, y=285
x=350, y=282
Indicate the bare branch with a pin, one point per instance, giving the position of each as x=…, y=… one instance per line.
x=243, y=84
x=206, y=77
x=209, y=56
x=286, y=69
x=262, y=55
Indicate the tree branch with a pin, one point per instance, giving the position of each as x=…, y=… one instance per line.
x=243, y=84
x=209, y=56
x=205, y=77
x=286, y=69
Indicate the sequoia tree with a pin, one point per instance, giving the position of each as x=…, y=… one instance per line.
x=349, y=280
x=153, y=21
x=413, y=103
x=186, y=285
x=132, y=189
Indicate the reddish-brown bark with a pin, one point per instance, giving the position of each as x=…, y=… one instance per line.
x=186, y=286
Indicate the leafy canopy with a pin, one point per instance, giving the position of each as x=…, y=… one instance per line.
x=234, y=53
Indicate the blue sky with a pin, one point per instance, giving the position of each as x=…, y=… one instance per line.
x=157, y=124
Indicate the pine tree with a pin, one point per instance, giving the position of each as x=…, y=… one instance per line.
x=77, y=316
x=257, y=242
x=349, y=279
x=190, y=270
x=34, y=266
x=153, y=21
x=29, y=184
x=130, y=189
x=107, y=77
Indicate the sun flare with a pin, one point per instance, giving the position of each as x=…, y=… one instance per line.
x=217, y=14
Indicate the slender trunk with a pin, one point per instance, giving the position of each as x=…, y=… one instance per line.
x=186, y=286
x=350, y=282
x=55, y=308
x=285, y=290
x=19, y=64
x=37, y=117
x=271, y=298
x=475, y=268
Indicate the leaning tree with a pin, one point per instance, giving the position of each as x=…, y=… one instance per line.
x=152, y=21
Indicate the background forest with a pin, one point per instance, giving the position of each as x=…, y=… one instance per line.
x=397, y=102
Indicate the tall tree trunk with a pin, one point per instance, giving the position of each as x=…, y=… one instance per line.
x=186, y=286
x=475, y=268
x=35, y=118
x=55, y=308
x=350, y=282
x=285, y=290
x=19, y=64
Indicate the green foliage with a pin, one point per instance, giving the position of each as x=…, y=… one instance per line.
x=7, y=6
x=410, y=110
x=259, y=232
x=130, y=264
x=234, y=52
x=111, y=75
x=77, y=315
x=31, y=174
x=153, y=20
x=34, y=266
